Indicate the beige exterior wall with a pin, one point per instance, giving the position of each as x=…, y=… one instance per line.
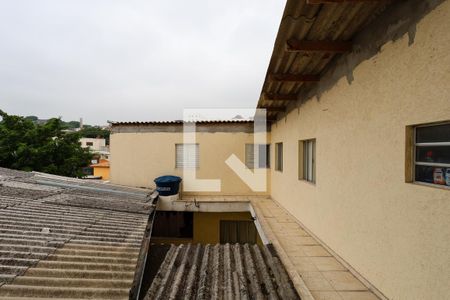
x=396, y=234
x=138, y=158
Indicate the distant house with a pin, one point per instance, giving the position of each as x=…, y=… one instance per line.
x=143, y=151
x=101, y=169
x=97, y=146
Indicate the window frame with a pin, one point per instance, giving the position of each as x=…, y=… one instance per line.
x=413, y=154
x=303, y=167
x=197, y=162
x=278, y=158
x=257, y=159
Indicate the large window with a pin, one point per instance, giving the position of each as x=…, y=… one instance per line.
x=279, y=157
x=307, y=160
x=257, y=156
x=432, y=154
x=187, y=156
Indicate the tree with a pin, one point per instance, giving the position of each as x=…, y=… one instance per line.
x=71, y=124
x=27, y=146
x=32, y=118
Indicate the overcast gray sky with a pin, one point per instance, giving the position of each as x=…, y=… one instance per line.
x=133, y=60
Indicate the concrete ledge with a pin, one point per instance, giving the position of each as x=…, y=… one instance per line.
x=299, y=284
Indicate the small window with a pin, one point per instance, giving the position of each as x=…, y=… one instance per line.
x=432, y=154
x=187, y=156
x=307, y=160
x=279, y=157
x=89, y=143
x=262, y=154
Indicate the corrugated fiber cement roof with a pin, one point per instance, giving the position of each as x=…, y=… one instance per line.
x=68, y=238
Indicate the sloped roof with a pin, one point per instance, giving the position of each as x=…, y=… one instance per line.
x=68, y=238
x=221, y=272
x=104, y=163
x=311, y=36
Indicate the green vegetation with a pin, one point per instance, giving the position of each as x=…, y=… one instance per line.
x=26, y=145
x=71, y=124
x=88, y=131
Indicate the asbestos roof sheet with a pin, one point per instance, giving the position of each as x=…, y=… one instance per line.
x=338, y=21
x=221, y=272
x=68, y=238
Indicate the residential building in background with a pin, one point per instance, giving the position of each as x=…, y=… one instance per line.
x=97, y=146
x=101, y=169
x=142, y=151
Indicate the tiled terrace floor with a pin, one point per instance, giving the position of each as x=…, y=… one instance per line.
x=316, y=273
x=307, y=262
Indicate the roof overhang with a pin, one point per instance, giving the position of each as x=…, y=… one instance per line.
x=312, y=34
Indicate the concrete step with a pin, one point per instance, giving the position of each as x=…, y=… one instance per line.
x=77, y=273
x=63, y=292
x=73, y=282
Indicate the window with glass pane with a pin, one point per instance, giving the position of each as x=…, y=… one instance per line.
x=187, y=156
x=279, y=156
x=432, y=154
x=307, y=155
x=257, y=156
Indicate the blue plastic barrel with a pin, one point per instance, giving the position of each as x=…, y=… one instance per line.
x=168, y=185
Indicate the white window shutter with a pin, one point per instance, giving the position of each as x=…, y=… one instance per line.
x=187, y=156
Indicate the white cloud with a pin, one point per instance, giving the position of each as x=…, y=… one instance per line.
x=133, y=60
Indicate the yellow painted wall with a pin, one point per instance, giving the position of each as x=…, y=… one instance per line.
x=396, y=234
x=207, y=225
x=104, y=172
x=207, y=228
x=138, y=158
